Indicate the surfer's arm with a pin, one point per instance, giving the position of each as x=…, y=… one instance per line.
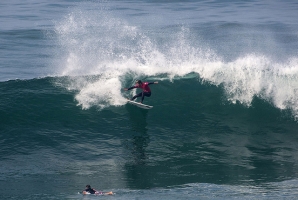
x=153, y=83
x=129, y=88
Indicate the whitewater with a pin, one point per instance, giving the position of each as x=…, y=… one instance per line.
x=98, y=43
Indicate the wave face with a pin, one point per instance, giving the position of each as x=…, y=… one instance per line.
x=193, y=138
x=224, y=117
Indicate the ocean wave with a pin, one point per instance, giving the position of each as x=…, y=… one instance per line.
x=107, y=46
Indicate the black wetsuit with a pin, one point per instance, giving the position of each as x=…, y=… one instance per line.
x=90, y=190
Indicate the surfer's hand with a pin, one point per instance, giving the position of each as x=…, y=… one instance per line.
x=155, y=82
x=125, y=89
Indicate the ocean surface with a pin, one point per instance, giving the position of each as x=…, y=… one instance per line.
x=224, y=122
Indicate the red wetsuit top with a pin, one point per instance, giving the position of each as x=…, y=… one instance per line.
x=144, y=86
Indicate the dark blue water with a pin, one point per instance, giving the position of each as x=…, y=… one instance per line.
x=224, y=117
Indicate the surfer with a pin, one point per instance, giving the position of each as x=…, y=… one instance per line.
x=144, y=86
x=90, y=190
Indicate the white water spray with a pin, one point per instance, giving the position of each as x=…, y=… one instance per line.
x=95, y=43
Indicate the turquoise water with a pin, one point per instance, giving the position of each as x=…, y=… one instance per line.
x=224, y=117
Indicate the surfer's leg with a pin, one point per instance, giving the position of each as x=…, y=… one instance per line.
x=147, y=94
x=138, y=95
x=142, y=97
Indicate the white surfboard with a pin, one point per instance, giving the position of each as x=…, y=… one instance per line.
x=144, y=106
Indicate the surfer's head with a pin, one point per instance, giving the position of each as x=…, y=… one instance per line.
x=139, y=82
x=88, y=186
